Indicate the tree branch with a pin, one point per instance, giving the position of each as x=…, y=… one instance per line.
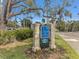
x=29, y=9
x=17, y=2
x=18, y=6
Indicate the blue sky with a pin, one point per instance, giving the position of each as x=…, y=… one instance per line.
x=74, y=9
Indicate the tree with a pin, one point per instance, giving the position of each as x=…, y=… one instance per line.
x=26, y=23
x=32, y=7
x=61, y=25
x=9, y=6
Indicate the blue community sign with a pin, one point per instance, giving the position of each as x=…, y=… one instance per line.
x=44, y=31
x=44, y=35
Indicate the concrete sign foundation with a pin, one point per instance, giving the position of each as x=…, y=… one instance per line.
x=36, y=38
x=44, y=36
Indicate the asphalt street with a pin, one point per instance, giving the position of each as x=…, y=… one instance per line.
x=72, y=38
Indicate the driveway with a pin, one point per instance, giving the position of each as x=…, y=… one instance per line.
x=72, y=38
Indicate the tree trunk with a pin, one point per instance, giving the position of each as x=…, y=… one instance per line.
x=5, y=14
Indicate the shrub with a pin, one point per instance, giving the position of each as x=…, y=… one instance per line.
x=22, y=34
x=12, y=35
x=1, y=40
x=6, y=36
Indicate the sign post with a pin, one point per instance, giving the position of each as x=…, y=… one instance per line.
x=44, y=36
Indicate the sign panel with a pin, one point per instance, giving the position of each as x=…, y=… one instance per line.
x=45, y=31
x=44, y=35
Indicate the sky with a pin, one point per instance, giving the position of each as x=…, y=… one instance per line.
x=74, y=9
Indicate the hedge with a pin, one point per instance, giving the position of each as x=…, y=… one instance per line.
x=22, y=34
x=18, y=34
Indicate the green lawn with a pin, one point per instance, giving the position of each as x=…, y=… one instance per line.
x=15, y=53
x=68, y=50
x=18, y=52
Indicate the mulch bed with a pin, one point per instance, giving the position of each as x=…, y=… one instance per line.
x=46, y=54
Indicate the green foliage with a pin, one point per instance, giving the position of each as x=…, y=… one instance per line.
x=26, y=23
x=1, y=40
x=11, y=24
x=22, y=34
x=9, y=36
x=61, y=25
x=67, y=25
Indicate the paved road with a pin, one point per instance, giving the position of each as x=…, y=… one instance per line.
x=72, y=38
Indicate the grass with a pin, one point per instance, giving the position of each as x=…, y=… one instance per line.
x=69, y=51
x=14, y=53
x=19, y=52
